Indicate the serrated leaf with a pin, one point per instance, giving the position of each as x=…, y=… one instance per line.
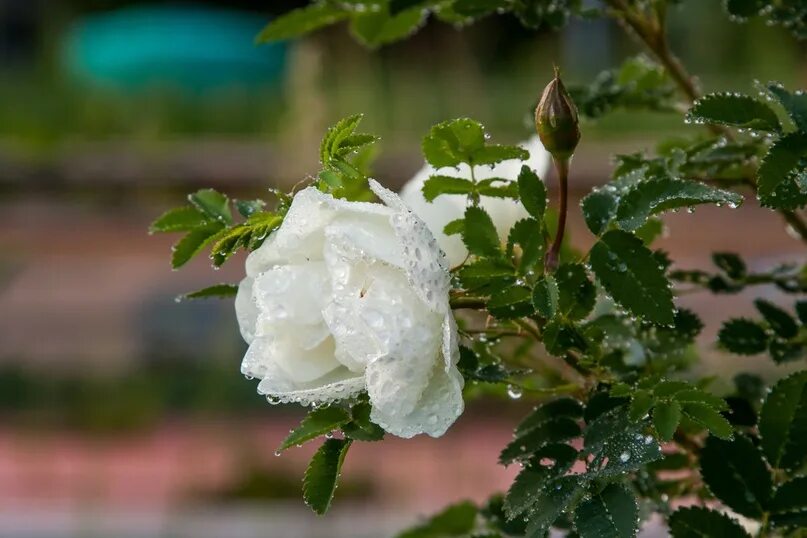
x=743, y=337
x=219, y=291
x=529, y=235
x=560, y=336
x=375, y=28
x=454, y=227
x=698, y=522
x=213, y=204
x=599, y=208
x=576, y=293
x=666, y=416
x=696, y=395
x=790, y=496
x=549, y=462
x=552, y=431
x=496, y=153
x=301, y=21
x=179, y=219
x=730, y=263
x=551, y=503
x=360, y=427
x=795, y=104
x=190, y=245
x=545, y=296
x=247, y=208
x=479, y=234
x=315, y=424
x=562, y=407
x=340, y=131
x=779, y=321
x=319, y=482
x=513, y=302
x=532, y=192
x=437, y=185
x=736, y=474
x=734, y=110
x=783, y=422
x=654, y=196
x=498, y=187
x=611, y=513
x=618, y=444
x=453, y=142
x=456, y=520
x=710, y=419
x=641, y=404
x=774, y=175
x=632, y=276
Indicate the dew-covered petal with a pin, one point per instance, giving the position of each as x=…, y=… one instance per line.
x=246, y=311
x=424, y=262
x=295, y=293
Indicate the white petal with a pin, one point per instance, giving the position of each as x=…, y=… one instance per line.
x=296, y=293
x=246, y=311
x=424, y=262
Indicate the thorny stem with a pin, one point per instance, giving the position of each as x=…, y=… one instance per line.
x=551, y=261
x=651, y=33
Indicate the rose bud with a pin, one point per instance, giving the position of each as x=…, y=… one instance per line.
x=556, y=120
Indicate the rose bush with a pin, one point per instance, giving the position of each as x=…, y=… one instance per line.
x=503, y=211
x=351, y=296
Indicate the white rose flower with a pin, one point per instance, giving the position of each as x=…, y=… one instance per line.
x=447, y=207
x=353, y=296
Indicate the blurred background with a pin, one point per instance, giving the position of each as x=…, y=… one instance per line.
x=123, y=413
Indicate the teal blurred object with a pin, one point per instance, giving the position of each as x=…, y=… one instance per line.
x=188, y=47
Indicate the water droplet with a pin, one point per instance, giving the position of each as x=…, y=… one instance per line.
x=624, y=457
x=514, y=392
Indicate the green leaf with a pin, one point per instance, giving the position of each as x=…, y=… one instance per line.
x=301, y=21
x=654, y=196
x=316, y=423
x=453, y=142
x=736, y=474
x=576, y=293
x=710, y=419
x=545, y=296
x=496, y=153
x=696, y=395
x=562, y=407
x=513, y=302
x=611, y=513
x=730, y=263
x=552, y=431
x=213, y=204
x=795, y=104
x=618, y=444
x=599, y=208
x=190, y=245
x=777, y=168
x=666, y=416
x=219, y=291
x=632, y=276
x=780, y=321
x=179, y=219
x=743, y=337
x=454, y=227
x=360, y=427
x=319, y=482
x=375, y=28
x=338, y=133
x=437, y=185
x=529, y=235
x=734, y=110
x=743, y=8
x=532, y=192
x=498, y=187
x=560, y=336
x=641, y=404
x=479, y=234
x=790, y=496
x=549, y=463
x=783, y=422
x=551, y=503
x=456, y=520
x=698, y=522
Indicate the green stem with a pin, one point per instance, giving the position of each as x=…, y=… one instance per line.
x=553, y=255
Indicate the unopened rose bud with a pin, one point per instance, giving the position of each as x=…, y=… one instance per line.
x=556, y=120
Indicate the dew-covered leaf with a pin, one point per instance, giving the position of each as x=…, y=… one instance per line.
x=190, y=245
x=736, y=474
x=734, y=110
x=315, y=424
x=610, y=513
x=179, y=219
x=551, y=431
x=775, y=174
x=666, y=416
x=479, y=234
x=545, y=296
x=699, y=522
x=437, y=185
x=599, y=208
x=513, y=302
x=576, y=293
x=319, y=481
x=562, y=407
x=712, y=420
x=631, y=274
x=532, y=192
x=795, y=104
x=783, y=422
x=374, y=28
x=654, y=196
